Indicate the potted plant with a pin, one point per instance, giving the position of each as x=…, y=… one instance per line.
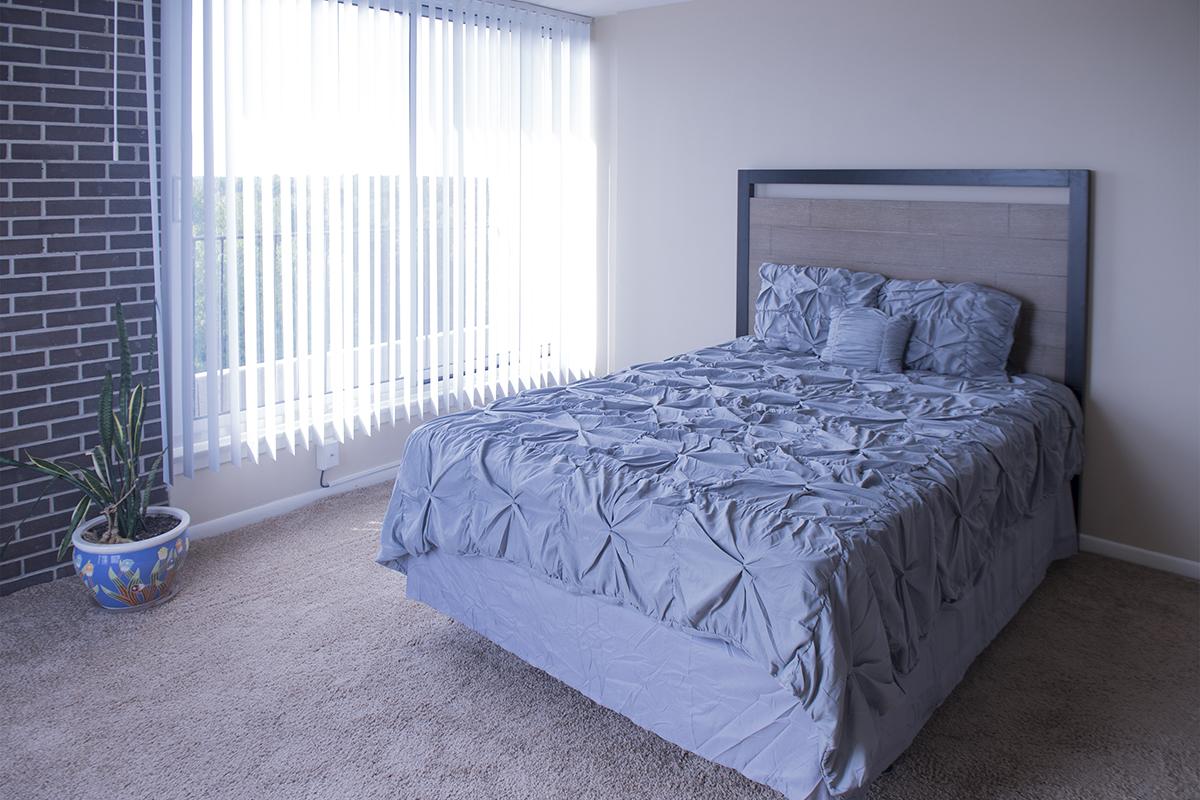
x=130, y=555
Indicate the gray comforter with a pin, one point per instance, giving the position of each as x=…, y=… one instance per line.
x=814, y=517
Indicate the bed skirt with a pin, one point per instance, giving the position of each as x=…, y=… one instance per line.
x=707, y=696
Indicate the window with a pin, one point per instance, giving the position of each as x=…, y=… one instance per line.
x=375, y=211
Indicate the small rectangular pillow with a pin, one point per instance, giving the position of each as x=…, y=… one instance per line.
x=867, y=339
x=794, y=306
x=958, y=328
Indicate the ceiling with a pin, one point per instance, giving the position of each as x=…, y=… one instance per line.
x=601, y=8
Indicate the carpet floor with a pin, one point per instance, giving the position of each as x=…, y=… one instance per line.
x=291, y=666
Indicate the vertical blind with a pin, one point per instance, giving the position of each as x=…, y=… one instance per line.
x=376, y=211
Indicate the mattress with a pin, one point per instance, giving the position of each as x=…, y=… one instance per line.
x=710, y=698
x=815, y=520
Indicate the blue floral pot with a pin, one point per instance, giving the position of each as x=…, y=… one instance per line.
x=133, y=574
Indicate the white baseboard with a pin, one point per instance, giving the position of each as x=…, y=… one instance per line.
x=1136, y=555
x=240, y=519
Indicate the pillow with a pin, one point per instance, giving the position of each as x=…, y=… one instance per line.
x=796, y=302
x=868, y=339
x=958, y=328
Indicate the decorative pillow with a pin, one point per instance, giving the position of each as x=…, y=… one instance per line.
x=958, y=328
x=795, y=303
x=868, y=339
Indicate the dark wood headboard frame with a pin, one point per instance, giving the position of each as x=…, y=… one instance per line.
x=1076, y=181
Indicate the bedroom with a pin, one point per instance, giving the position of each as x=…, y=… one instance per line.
x=586, y=189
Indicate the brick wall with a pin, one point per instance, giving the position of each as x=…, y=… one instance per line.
x=74, y=240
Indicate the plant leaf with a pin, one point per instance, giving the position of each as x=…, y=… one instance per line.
x=58, y=471
x=100, y=465
x=47, y=467
x=104, y=414
x=126, y=358
x=77, y=517
x=101, y=494
x=131, y=517
x=151, y=478
x=120, y=440
x=135, y=415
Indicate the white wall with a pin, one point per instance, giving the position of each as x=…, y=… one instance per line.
x=694, y=92
x=235, y=496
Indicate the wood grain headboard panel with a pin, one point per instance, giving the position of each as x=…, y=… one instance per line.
x=1035, y=251
x=1019, y=248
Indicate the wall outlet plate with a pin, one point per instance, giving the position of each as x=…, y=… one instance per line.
x=327, y=455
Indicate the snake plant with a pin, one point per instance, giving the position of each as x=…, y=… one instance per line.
x=112, y=485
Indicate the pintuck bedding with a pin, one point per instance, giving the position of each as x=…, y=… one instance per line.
x=816, y=527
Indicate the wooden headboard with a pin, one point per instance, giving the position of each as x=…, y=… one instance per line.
x=1035, y=251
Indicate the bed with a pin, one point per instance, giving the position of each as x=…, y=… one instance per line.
x=777, y=563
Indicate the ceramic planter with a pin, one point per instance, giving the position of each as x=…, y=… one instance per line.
x=133, y=574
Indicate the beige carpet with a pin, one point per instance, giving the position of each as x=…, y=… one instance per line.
x=291, y=666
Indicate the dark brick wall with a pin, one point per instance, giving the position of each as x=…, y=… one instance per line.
x=74, y=240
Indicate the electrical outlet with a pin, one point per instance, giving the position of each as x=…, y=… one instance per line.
x=327, y=455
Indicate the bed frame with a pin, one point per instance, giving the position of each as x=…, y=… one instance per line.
x=1038, y=252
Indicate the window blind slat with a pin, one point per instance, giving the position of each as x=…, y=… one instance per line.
x=267, y=294
x=212, y=286
x=340, y=266
x=360, y=341
x=304, y=393
x=512, y=345
x=467, y=224
x=178, y=252
x=359, y=90
x=431, y=233
x=411, y=234
x=287, y=313
x=249, y=308
x=378, y=56
x=319, y=296
x=230, y=319
x=305, y=237
x=454, y=267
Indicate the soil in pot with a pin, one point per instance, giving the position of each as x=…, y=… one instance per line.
x=155, y=524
